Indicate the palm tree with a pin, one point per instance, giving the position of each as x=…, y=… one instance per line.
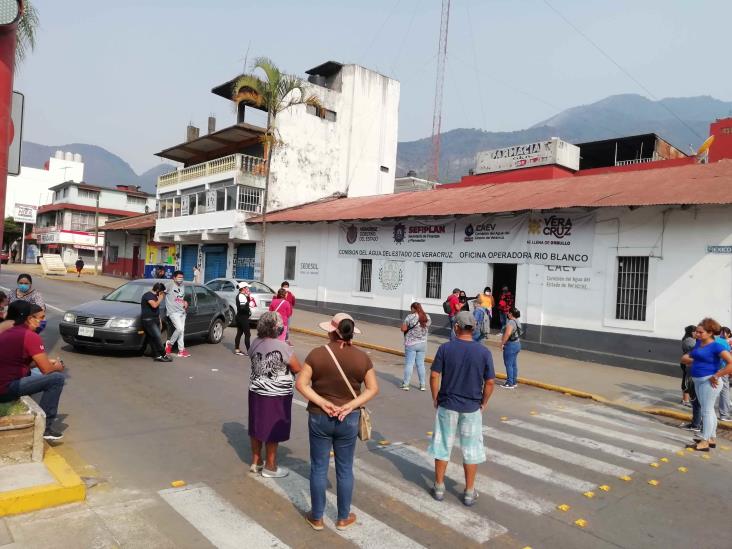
x=26, y=34
x=274, y=93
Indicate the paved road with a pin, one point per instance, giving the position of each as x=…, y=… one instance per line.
x=133, y=426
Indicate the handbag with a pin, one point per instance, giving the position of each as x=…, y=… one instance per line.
x=364, y=423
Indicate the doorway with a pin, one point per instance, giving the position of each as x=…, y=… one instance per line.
x=504, y=274
x=135, y=263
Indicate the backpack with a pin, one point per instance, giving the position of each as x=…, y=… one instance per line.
x=446, y=307
x=517, y=333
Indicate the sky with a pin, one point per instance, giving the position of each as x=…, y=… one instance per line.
x=129, y=76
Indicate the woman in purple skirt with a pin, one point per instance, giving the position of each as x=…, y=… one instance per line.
x=270, y=394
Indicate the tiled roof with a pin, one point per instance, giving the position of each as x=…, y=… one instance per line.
x=694, y=184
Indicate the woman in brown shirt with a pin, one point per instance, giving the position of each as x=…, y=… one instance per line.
x=334, y=414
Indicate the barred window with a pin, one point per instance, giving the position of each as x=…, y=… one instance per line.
x=632, y=291
x=364, y=280
x=290, y=257
x=250, y=198
x=433, y=288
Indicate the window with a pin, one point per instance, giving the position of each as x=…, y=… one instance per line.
x=250, y=199
x=231, y=197
x=227, y=286
x=290, y=256
x=82, y=221
x=385, y=169
x=364, y=280
x=433, y=286
x=632, y=293
x=112, y=254
x=215, y=285
x=136, y=200
x=83, y=193
x=204, y=296
x=321, y=112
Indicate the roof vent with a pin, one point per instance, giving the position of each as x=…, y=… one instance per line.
x=192, y=132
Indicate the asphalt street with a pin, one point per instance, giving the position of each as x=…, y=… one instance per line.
x=133, y=426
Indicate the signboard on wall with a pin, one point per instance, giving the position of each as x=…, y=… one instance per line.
x=540, y=153
x=25, y=213
x=543, y=239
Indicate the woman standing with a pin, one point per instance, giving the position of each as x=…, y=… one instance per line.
x=270, y=394
x=463, y=300
x=687, y=344
x=705, y=359
x=26, y=292
x=511, y=346
x=282, y=307
x=415, y=328
x=243, y=314
x=334, y=414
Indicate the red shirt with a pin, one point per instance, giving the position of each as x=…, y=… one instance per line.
x=290, y=298
x=19, y=345
x=455, y=304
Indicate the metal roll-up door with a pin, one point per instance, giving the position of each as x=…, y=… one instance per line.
x=245, y=261
x=188, y=259
x=215, y=262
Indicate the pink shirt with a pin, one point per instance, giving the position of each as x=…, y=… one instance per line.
x=284, y=309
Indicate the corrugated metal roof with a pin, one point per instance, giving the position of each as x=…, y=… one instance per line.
x=144, y=221
x=695, y=184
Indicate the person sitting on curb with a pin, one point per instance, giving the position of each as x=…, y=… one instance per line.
x=21, y=347
x=461, y=381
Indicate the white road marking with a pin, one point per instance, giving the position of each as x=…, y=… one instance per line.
x=368, y=532
x=583, y=441
x=478, y=528
x=580, y=460
x=609, y=433
x=598, y=415
x=220, y=522
x=500, y=491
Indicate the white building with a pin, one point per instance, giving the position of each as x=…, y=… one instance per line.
x=67, y=225
x=33, y=185
x=348, y=146
x=608, y=268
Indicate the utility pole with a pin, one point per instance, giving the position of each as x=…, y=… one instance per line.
x=96, y=235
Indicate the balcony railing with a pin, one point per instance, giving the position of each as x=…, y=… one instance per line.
x=242, y=162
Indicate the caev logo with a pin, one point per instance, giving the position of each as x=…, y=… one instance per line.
x=400, y=231
x=558, y=227
x=352, y=234
x=469, y=230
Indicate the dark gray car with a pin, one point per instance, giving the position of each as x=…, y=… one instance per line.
x=113, y=322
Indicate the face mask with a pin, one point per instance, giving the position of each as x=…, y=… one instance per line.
x=24, y=287
x=41, y=326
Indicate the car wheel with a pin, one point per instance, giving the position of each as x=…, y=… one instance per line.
x=230, y=317
x=216, y=331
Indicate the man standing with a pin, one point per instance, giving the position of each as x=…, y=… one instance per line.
x=461, y=381
x=197, y=275
x=176, y=307
x=160, y=272
x=453, y=302
x=79, y=266
x=505, y=304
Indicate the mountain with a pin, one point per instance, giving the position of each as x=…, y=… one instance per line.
x=614, y=116
x=101, y=167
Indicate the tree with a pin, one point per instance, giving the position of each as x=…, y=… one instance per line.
x=274, y=93
x=12, y=231
x=25, y=40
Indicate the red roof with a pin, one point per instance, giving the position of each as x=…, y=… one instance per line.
x=144, y=221
x=695, y=184
x=82, y=208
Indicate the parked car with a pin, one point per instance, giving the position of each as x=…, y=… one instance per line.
x=4, y=257
x=226, y=288
x=113, y=322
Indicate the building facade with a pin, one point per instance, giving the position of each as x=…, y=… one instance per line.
x=347, y=145
x=68, y=225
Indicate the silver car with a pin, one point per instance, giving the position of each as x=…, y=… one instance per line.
x=226, y=288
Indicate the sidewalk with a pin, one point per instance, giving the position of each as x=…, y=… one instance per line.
x=641, y=391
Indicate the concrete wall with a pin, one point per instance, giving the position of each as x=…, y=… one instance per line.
x=685, y=284
x=125, y=242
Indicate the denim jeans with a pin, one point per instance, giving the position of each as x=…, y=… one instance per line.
x=50, y=385
x=707, y=396
x=696, y=416
x=452, y=328
x=342, y=436
x=510, y=360
x=503, y=317
x=412, y=354
x=151, y=326
x=179, y=323
x=724, y=397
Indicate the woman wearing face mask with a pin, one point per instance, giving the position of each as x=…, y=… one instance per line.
x=26, y=292
x=463, y=300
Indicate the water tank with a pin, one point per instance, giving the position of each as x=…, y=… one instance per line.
x=77, y=157
x=69, y=156
x=59, y=155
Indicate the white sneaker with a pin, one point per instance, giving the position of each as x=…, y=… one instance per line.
x=277, y=473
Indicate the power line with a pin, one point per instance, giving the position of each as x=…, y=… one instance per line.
x=405, y=36
x=381, y=28
x=475, y=65
x=625, y=72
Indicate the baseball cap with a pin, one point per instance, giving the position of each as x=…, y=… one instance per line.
x=243, y=284
x=332, y=326
x=465, y=319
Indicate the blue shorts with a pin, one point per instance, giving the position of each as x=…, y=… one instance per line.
x=448, y=424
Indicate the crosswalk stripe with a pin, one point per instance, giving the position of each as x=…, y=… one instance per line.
x=219, y=521
x=583, y=441
x=500, y=491
x=586, y=462
x=369, y=533
x=534, y=470
x=609, y=433
x=596, y=415
x=471, y=525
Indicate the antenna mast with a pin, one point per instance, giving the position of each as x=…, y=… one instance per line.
x=439, y=85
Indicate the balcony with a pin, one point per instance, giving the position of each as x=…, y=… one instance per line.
x=244, y=169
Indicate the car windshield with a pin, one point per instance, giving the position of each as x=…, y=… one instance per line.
x=129, y=293
x=258, y=287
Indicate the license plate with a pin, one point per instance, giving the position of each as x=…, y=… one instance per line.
x=85, y=331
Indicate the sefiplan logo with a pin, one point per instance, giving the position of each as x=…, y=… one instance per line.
x=400, y=231
x=558, y=227
x=352, y=234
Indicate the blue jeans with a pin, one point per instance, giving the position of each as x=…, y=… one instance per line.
x=707, y=396
x=724, y=397
x=325, y=432
x=412, y=354
x=478, y=335
x=452, y=328
x=510, y=360
x=50, y=385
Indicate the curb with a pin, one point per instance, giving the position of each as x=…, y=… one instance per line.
x=95, y=284
x=68, y=488
x=665, y=412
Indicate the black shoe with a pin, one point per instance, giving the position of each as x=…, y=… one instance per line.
x=163, y=358
x=50, y=434
x=689, y=427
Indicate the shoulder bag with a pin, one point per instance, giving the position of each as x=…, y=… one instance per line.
x=364, y=423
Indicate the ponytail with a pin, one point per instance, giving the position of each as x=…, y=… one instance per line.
x=345, y=330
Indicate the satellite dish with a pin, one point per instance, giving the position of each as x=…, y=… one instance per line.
x=705, y=146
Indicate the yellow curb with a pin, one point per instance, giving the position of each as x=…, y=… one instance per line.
x=681, y=416
x=68, y=488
